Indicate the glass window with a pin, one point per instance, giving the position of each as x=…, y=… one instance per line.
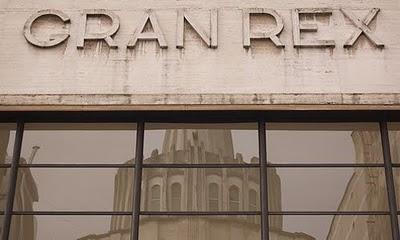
x=350, y=227
x=71, y=189
x=155, y=198
x=213, y=197
x=324, y=143
x=176, y=195
x=79, y=143
x=253, y=196
x=197, y=196
x=394, y=138
x=30, y=227
x=234, y=199
x=7, y=138
x=328, y=189
x=201, y=143
x=396, y=175
x=198, y=227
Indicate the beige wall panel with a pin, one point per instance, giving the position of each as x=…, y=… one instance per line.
x=197, y=69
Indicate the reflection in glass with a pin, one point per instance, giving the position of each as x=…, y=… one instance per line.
x=176, y=195
x=394, y=138
x=79, y=143
x=349, y=227
x=331, y=189
x=213, y=197
x=7, y=137
x=198, y=227
x=396, y=175
x=324, y=143
x=70, y=227
x=199, y=189
x=201, y=143
x=204, y=189
x=72, y=189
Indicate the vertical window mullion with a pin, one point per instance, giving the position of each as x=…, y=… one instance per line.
x=13, y=180
x=389, y=179
x=137, y=186
x=263, y=180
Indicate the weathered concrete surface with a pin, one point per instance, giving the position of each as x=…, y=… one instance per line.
x=200, y=102
x=196, y=75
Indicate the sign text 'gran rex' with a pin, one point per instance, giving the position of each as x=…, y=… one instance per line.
x=209, y=36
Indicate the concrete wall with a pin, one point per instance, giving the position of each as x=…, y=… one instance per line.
x=230, y=74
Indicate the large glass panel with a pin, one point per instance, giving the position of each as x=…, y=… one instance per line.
x=70, y=227
x=7, y=138
x=200, y=189
x=394, y=138
x=4, y=187
x=349, y=227
x=328, y=189
x=79, y=143
x=199, y=227
x=324, y=143
x=45, y=189
x=201, y=143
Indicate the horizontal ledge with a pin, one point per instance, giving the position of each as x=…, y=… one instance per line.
x=217, y=101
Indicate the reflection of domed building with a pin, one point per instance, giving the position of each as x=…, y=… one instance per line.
x=179, y=189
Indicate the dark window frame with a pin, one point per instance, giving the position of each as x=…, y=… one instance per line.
x=262, y=117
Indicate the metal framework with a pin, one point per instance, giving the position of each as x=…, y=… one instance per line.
x=138, y=166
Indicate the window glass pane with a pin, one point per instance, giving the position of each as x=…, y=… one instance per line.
x=396, y=175
x=74, y=189
x=324, y=143
x=70, y=227
x=201, y=143
x=79, y=143
x=4, y=183
x=157, y=191
x=328, y=189
x=7, y=137
x=394, y=137
x=349, y=227
x=199, y=227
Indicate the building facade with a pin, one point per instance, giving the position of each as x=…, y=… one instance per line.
x=195, y=120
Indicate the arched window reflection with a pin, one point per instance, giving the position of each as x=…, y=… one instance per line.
x=155, y=198
x=176, y=195
x=234, y=198
x=213, y=203
x=252, y=200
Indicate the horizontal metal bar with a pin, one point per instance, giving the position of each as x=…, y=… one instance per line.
x=5, y=165
x=324, y=165
x=73, y=213
x=185, y=165
x=200, y=213
x=77, y=165
x=312, y=213
x=395, y=164
x=197, y=165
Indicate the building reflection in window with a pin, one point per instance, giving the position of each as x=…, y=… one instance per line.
x=236, y=189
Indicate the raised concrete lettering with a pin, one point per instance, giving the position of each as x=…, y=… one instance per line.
x=54, y=39
x=106, y=36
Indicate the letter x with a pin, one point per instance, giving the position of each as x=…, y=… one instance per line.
x=362, y=27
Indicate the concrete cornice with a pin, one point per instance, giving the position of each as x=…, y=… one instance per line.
x=272, y=101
